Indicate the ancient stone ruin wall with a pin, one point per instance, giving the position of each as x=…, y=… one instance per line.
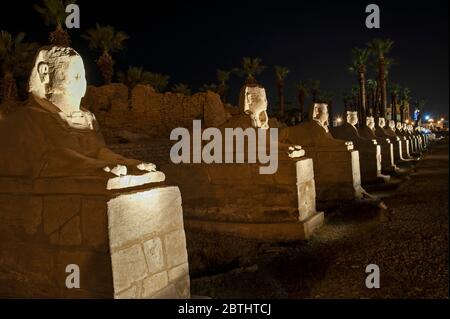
x=127, y=244
x=146, y=113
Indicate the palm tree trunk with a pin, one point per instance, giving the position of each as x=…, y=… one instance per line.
x=394, y=107
x=301, y=103
x=106, y=66
x=402, y=111
x=9, y=90
x=281, y=96
x=382, y=84
x=59, y=37
x=362, y=97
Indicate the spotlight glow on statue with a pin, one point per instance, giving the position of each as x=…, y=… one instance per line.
x=370, y=122
x=64, y=138
x=255, y=105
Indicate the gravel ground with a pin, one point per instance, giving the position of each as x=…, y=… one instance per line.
x=409, y=243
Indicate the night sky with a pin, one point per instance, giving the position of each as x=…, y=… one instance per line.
x=189, y=40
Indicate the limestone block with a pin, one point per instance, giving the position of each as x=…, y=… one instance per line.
x=153, y=284
x=131, y=293
x=214, y=111
x=94, y=222
x=58, y=210
x=95, y=272
x=147, y=213
x=154, y=255
x=128, y=266
x=175, y=248
x=69, y=234
x=178, y=272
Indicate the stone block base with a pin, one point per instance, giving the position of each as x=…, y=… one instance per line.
x=127, y=243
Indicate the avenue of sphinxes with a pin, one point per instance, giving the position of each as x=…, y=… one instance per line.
x=217, y=154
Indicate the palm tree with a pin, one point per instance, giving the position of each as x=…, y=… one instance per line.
x=420, y=104
x=250, y=68
x=210, y=87
x=313, y=88
x=347, y=98
x=280, y=75
x=379, y=48
x=302, y=94
x=16, y=58
x=223, y=77
x=181, y=88
x=371, y=96
x=133, y=77
x=404, y=100
x=54, y=14
x=106, y=40
x=158, y=81
x=395, y=91
x=358, y=66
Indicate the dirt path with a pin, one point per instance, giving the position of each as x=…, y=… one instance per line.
x=409, y=244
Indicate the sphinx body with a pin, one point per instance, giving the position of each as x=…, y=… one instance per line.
x=228, y=202
x=52, y=136
x=336, y=163
x=71, y=200
x=406, y=142
x=369, y=151
x=386, y=144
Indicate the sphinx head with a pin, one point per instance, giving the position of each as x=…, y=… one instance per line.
x=381, y=122
x=320, y=113
x=58, y=76
x=399, y=126
x=370, y=122
x=405, y=126
x=255, y=104
x=392, y=124
x=352, y=117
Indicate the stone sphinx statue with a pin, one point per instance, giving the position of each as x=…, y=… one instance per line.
x=387, y=145
x=314, y=131
x=71, y=196
x=369, y=150
x=336, y=163
x=255, y=105
x=415, y=150
x=57, y=137
x=406, y=141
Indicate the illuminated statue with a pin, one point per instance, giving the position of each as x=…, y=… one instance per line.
x=255, y=105
x=57, y=137
x=89, y=199
x=336, y=163
x=386, y=143
x=369, y=150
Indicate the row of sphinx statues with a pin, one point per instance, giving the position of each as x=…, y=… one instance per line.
x=54, y=141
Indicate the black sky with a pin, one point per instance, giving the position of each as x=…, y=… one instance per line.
x=189, y=40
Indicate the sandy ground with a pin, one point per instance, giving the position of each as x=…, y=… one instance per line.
x=409, y=243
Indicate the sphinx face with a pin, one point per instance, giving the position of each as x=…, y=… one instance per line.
x=321, y=113
x=399, y=126
x=381, y=122
x=74, y=83
x=256, y=106
x=405, y=126
x=352, y=118
x=59, y=77
x=370, y=122
x=392, y=124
